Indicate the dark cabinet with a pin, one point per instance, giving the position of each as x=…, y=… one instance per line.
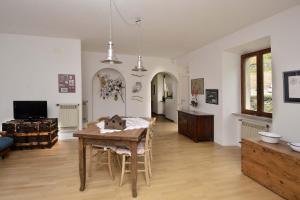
x=198, y=126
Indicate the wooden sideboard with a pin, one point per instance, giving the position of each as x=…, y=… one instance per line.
x=274, y=166
x=198, y=126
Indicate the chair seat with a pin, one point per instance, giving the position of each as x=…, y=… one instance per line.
x=5, y=142
x=105, y=147
x=140, y=150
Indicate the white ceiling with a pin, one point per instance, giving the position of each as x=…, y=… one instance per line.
x=170, y=27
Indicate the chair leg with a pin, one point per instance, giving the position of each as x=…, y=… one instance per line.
x=149, y=166
x=123, y=169
x=90, y=161
x=109, y=163
x=118, y=160
x=146, y=165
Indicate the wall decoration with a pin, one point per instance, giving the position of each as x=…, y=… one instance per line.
x=291, y=86
x=137, y=98
x=137, y=75
x=111, y=88
x=212, y=96
x=137, y=87
x=197, y=86
x=66, y=83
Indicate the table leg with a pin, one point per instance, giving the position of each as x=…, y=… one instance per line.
x=133, y=148
x=82, y=163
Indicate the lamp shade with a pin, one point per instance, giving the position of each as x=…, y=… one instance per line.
x=111, y=57
x=139, y=66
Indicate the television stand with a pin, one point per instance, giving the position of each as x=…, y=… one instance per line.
x=40, y=133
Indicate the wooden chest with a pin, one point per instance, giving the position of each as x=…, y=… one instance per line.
x=274, y=166
x=9, y=127
x=36, y=134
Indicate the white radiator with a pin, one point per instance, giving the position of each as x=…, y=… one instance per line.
x=249, y=129
x=68, y=116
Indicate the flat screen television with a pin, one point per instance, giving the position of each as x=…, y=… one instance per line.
x=30, y=110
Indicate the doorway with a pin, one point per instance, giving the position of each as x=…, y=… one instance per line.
x=164, y=96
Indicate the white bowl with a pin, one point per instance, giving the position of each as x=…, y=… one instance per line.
x=269, y=137
x=295, y=146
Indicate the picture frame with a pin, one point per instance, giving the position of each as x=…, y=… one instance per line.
x=66, y=83
x=291, y=85
x=197, y=86
x=212, y=96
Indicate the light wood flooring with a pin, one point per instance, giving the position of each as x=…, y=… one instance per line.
x=182, y=169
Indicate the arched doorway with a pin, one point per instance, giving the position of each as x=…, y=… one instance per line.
x=164, y=95
x=108, y=93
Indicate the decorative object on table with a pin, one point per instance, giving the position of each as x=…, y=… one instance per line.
x=197, y=86
x=137, y=75
x=111, y=88
x=116, y=122
x=294, y=146
x=212, y=96
x=194, y=101
x=291, y=86
x=131, y=123
x=137, y=87
x=269, y=137
x=66, y=83
x=137, y=98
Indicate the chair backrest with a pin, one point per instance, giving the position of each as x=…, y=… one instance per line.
x=148, y=140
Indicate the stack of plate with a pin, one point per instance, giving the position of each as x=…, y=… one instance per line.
x=295, y=146
x=269, y=137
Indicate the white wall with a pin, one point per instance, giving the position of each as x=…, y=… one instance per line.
x=29, y=68
x=91, y=64
x=211, y=63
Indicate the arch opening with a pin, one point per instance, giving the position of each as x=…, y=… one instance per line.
x=164, y=95
x=108, y=93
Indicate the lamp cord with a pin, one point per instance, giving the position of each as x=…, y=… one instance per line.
x=121, y=16
x=110, y=21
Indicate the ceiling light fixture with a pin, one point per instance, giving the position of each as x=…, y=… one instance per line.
x=111, y=57
x=139, y=66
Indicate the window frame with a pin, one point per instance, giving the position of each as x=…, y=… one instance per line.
x=260, y=83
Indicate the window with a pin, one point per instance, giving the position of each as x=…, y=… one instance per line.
x=257, y=83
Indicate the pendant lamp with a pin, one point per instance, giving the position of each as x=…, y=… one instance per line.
x=111, y=58
x=139, y=66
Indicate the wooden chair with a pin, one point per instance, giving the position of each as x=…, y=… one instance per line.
x=153, y=121
x=101, y=151
x=142, y=154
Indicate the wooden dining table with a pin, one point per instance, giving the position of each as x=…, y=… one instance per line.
x=93, y=136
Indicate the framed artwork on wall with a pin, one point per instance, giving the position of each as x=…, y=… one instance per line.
x=291, y=84
x=197, y=86
x=66, y=83
x=212, y=96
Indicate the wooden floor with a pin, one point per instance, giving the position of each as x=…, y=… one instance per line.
x=182, y=169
